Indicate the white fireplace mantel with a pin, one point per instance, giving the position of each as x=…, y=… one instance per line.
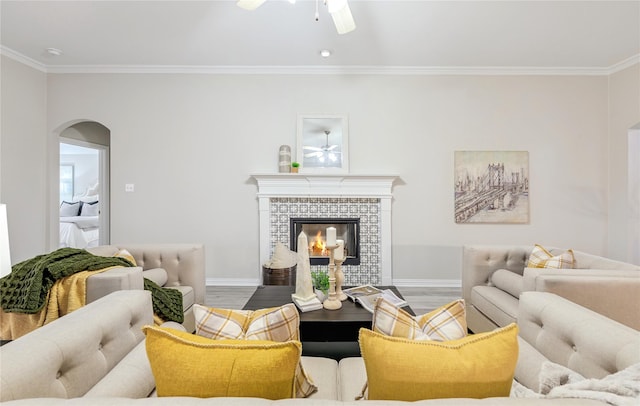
x=328, y=185
x=320, y=185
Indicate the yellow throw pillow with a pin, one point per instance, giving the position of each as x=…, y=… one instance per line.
x=278, y=324
x=448, y=322
x=185, y=364
x=477, y=366
x=541, y=258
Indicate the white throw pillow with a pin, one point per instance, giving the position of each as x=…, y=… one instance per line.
x=69, y=209
x=90, y=209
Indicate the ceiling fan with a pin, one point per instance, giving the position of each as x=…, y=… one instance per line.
x=323, y=152
x=339, y=10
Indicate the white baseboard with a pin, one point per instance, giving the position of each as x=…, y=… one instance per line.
x=232, y=282
x=418, y=283
x=428, y=283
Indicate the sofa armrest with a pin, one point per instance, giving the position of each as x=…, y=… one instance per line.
x=112, y=280
x=531, y=275
x=68, y=357
x=576, y=337
x=479, y=262
x=616, y=297
x=184, y=264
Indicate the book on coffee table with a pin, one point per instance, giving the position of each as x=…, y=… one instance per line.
x=308, y=305
x=367, y=295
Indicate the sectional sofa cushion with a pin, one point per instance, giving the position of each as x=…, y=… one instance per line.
x=278, y=324
x=541, y=258
x=447, y=322
x=185, y=364
x=510, y=282
x=476, y=366
x=157, y=275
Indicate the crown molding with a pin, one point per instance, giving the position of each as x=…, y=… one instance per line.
x=622, y=65
x=334, y=70
x=25, y=60
x=326, y=70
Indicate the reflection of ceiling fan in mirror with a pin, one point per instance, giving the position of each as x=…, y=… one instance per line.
x=324, y=152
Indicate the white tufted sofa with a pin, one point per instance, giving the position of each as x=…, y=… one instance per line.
x=176, y=266
x=494, y=276
x=96, y=355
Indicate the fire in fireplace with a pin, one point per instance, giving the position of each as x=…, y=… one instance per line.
x=347, y=229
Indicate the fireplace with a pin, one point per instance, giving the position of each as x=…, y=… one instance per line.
x=347, y=229
x=333, y=198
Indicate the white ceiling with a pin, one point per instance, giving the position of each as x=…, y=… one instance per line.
x=436, y=35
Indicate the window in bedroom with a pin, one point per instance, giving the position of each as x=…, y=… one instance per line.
x=66, y=182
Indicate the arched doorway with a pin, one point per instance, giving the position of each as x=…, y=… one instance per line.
x=81, y=186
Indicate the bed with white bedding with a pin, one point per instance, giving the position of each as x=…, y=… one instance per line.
x=79, y=224
x=79, y=231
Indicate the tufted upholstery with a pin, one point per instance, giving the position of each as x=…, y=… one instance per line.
x=57, y=361
x=184, y=265
x=609, y=287
x=571, y=335
x=99, y=352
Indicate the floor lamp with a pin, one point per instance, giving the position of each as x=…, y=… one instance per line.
x=5, y=256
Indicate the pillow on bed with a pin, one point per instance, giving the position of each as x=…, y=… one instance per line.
x=90, y=209
x=69, y=209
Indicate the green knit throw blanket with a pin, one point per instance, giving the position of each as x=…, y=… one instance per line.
x=26, y=288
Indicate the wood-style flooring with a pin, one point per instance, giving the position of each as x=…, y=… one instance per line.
x=421, y=299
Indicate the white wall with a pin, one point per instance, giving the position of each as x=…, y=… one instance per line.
x=190, y=142
x=85, y=170
x=23, y=157
x=624, y=107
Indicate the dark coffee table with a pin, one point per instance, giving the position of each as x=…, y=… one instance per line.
x=331, y=333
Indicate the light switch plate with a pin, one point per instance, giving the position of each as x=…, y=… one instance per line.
x=129, y=187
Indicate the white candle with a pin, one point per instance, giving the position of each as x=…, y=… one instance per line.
x=339, y=252
x=331, y=236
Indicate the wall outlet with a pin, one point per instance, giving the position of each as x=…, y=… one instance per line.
x=129, y=187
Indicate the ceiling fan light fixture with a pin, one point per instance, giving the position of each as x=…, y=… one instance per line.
x=54, y=51
x=341, y=14
x=250, y=4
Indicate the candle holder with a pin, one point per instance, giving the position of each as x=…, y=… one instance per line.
x=340, y=280
x=332, y=302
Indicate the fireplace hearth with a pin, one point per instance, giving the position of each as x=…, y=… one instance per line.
x=347, y=229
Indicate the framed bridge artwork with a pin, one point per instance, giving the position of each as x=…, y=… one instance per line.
x=491, y=186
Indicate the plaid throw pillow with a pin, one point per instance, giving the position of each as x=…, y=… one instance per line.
x=448, y=322
x=541, y=258
x=279, y=324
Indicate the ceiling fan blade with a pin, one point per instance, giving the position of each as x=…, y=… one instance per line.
x=312, y=154
x=331, y=148
x=312, y=148
x=341, y=14
x=249, y=4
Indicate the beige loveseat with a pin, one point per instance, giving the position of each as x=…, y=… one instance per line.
x=96, y=355
x=494, y=276
x=176, y=266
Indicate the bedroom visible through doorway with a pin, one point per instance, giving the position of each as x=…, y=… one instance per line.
x=79, y=196
x=83, y=186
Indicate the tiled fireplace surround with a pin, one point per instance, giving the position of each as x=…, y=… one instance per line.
x=368, y=197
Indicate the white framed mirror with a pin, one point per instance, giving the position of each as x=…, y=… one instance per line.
x=323, y=143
